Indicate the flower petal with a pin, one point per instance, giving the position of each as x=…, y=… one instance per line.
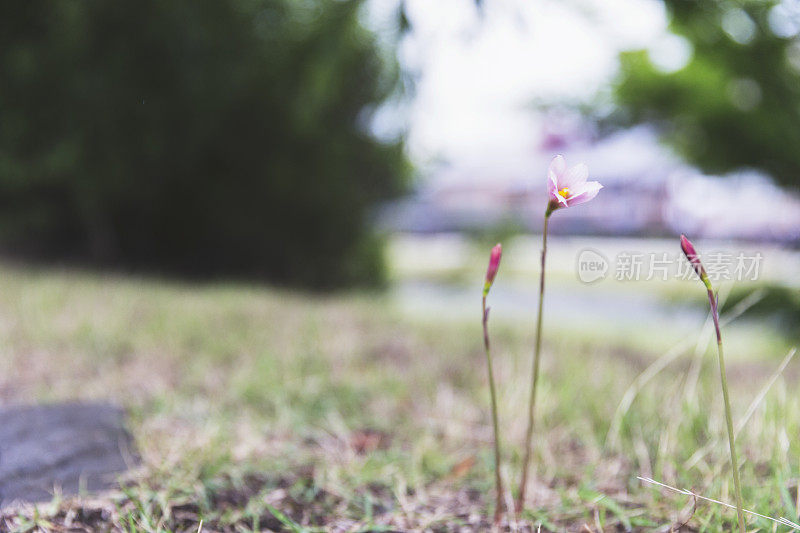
x=557, y=166
x=575, y=176
x=552, y=183
x=585, y=192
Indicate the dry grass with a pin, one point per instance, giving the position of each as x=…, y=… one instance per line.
x=256, y=408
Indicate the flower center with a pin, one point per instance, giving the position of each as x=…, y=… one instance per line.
x=564, y=192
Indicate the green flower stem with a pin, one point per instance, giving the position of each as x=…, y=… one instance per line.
x=498, y=511
x=728, y=418
x=523, y=484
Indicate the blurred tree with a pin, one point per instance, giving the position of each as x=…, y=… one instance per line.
x=204, y=138
x=736, y=103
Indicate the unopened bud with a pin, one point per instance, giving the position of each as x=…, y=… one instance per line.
x=691, y=254
x=494, y=265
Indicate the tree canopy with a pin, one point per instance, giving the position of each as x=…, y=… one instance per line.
x=736, y=103
x=204, y=138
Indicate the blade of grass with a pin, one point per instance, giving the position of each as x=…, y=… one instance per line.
x=701, y=453
x=779, y=520
x=612, y=437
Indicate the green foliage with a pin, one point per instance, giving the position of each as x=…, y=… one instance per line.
x=736, y=103
x=203, y=138
x=778, y=303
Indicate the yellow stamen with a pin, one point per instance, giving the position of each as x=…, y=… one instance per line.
x=564, y=192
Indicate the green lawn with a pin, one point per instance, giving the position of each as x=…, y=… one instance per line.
x=262, y=409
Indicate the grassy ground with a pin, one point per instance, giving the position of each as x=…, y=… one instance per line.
x=262, y=409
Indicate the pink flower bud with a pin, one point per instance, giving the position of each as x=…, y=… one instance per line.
x=494, y=265
x=693, y=257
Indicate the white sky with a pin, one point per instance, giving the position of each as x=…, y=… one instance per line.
x=478, y=76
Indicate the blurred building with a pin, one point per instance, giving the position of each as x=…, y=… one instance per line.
x=648, y=191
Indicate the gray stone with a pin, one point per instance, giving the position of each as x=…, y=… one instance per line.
x=67, y=447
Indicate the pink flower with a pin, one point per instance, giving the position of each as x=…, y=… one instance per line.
x=494, y=266
x=691, y=254
x=568, y=187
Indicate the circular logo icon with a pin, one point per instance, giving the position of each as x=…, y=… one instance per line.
x=592, y=266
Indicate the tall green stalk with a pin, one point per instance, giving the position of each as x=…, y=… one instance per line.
x=498, y=512
x=728, y=418
x=491, y=272
x=523, y=484
x=694, y=259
